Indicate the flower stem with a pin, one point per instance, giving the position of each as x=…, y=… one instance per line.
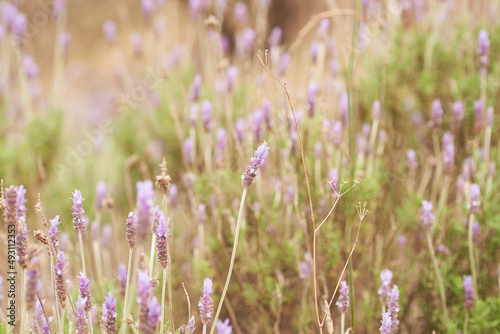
x=342, y=322
x=82, y=254
x=439, y=277
x=471, y=252
x=235, y=246
x=466, y=322
x=163, y=300
x=23, y=302
x=152, y=256
x=125, y=301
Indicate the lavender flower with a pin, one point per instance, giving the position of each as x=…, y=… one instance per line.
x=284, y=62
x=30, y=66
x=109, y=29
x=344, y=109
x=275, y=37
x=401, y=242
x=394, y=309
x=231, y=74
x=443, y=250
x=1, y=289
x=202, y=214
x=154, y=313
x=19, y=25
x=458, y=113
x=80, y=316
x=314, y=52
x=122, y=278
x=448, y=153
x=144, y=289
x=220, y=151
x=483, y=47
x=39, y=321
x=312, y=90
x=247, y=39
x=195, y=88
x=239, y=128
x=385, y=290
x=60, y=277
x=84, y=291
x=412, y=159
x=322, y=31
x=65, y=39
x=426, y=216
x=206, y=304
x=240, y=12
x=131, y=229
x=147, y=8
x=437, y=113
x=257, y=127
x=306, y=267
x=109, y=315
x=474, y=198
x=336, y=133
x=386, y=323
x=100, y=195
x=256, y=163
x=206, y=115
x=191, y=325
x=21, y=242
x=223, y=327
x=78, y=219
x=145, y=204
x=161, y=242
x=469, y=293
x=318, y=150
x=334, y=180
x=172, y=195
x=343, y=302
x=188, y=151
x=31, y=287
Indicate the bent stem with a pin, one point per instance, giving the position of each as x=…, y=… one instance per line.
x=235, y=246
x=439, y=277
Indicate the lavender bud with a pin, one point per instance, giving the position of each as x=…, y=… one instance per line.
x=334, y=180
x=30, y=67
x=239, y=128
x=161, y=242
x=145, y=205
x=223, y=327
x=312, y=90
x=412, y=159
x=256, y=163
x=394, y=309
x=122, y=278
x=248, y=38
x=202, y=214
x=100, y=195
x=147, y=8
x=109, y=315
x=19, y=25
x=195, y=7
x=21, y=242
x=106, y=236
x=474, y=198
x=366, y=130
x=401, y=241
x=469, y=293
x=77, y=210
x=172, y=195
x=144, y=289
x=84, y=291
x=437, y=113
x=9, y=12
x=386, y=323
x=275, y=37
x=322, y=31
x=314, y=52
x=109, y=29
x=206, y=304
x=195, y=88
x=191, y=325
x=257, y=127
x=154, y=313
x=131, y=229
x=343, y=302
x=220, y=151
x=80, y=316
x=483, y=47
x=448, y=152
x=443, y=250
x=136, y=41
x=31, y=288
x=188, y=151
x=476, y=232
x=458, y=113
x=60, y=277
x=240, y=12
x=426, y=216
x=336, y=133
x=231, y=74
x=385, y=290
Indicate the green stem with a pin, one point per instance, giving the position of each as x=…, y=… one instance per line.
x=23, y=302
x=471, y=252
x=466, y=322
x=163, y=300
x=439, y=277
x=125, y=301
x=235, y=246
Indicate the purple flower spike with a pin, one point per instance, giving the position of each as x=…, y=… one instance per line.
x=196, y=87
x=343, y=302
x=147, y=9
x=386, y=323
x=275, y=37
x=154, y=313
x=412, y=159
x=394, y=309
x=224, y=327
x=384, y=291
x=221, y=146
x=344, y=109
x=78, y=219
x=231, y=74
x=318, y=150
x=206, y=304
x=239, y=128
x=314, y=52
x=426, y=216
x=458, y=113
x=248, y=38
x=312, y=90
x=474, y=198
x=30, y=66
x=100, y=195
x=469, y=293
x=60, y=278
x=202, y=213
x=31, y=284
x=84, y=291
x=21, y=243
x=144, y=289
x=161, y=243
x=109, y=29
x=337, y=133
x=256, y=163
x=240, y=12
x=122, y=278
x=376, y=113
x=65, y=39
x=188, y=151
x=483, y=47
x=80, y=316
x=437, y=113
x=109, y=315
x=206, y=115
x=145, y=205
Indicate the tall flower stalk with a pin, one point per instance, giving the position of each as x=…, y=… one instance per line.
x=131, y=243
x=247, y=179
x=473, y=209
x=162, y=235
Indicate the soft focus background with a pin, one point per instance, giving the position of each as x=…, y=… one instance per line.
x=104, y=90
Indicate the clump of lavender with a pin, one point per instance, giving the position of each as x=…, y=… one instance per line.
x=384, y=291
x=60, y=277
x=77, y=211
x=386, y=323
x=256, y=162
x=21, y=243
x=144, y=289
x=426, y=216
x=394, y=309
x=161, y=239
x=469, y=293
x=224, y=327
x=206, y=304
x=109, y=315
x=84, y=291
x=343, y=302
x=145, y=204
x=80, y=316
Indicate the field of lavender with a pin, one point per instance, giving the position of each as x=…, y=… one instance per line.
x=266, y=166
